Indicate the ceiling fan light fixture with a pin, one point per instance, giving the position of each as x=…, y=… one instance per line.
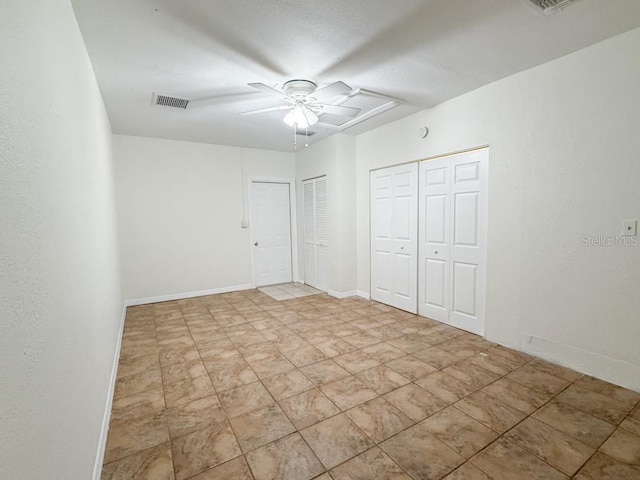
x=300, y=117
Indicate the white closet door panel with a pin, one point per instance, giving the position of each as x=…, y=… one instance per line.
x=468, y=248
x=434, y=224
x=394, y=236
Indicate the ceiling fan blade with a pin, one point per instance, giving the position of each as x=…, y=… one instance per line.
x=270, y=109
x=335, y=109
x=333, y=90
x=271, y=91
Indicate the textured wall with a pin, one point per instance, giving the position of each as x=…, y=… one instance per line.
x=563, y=164
x=180, y=205
x=60, y=300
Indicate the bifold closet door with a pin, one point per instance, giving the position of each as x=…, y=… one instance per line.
x=394, y=242
x=316, y=233
x=453, y=231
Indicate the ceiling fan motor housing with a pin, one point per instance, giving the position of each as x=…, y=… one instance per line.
x=299, y=89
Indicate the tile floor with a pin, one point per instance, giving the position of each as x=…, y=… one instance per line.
x=241, y=386
x=289, y=291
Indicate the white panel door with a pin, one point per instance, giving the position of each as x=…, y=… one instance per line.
x=452, y=256
x=434, y=224
x=316, y=233
x=394, y=231
x=271, y=233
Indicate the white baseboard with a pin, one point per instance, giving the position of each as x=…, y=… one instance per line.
x=182, y=296
x=335, y=294
x=362, y=294
x=104, y=432
x=609, y=369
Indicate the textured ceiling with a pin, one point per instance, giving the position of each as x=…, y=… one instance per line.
x=423, y=51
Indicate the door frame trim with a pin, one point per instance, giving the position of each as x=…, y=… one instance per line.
x=292, y=223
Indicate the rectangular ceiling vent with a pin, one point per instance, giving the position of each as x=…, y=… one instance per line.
x=548, y=7
x=169, y=101
x=305, y=133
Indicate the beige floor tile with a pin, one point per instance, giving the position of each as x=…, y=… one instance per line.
x=459, y=432
x=445, y=387
x=287, y=384
x=305, y=356
x=436, y=357
x=268, y=364
x=308, y=408
x=348, y=392
x=323, y=372
x=356, y=361
x=154, y=463
x=139, y=404
x=382, y=379
x=503, y=460
x=333, y=348
x=632, y=425
x=245, y=399
x=415, y=402
x=615, y=392
x=335, y=440
x=588, y=429
x=494, y=413
x=537, y=379
x=129, y=436
x=178, y=372
x=471, y=374
x=288, y=458
x=260, y=427
x=372, y=464
x=138, y=383
x=494, y=363
x=186, y=391
x=411, y=368
x=603, y=467
x=230, y=374
x=383, y=352
x=467, y=471
x=555, y=370
x=517, y=396
x=361, y=340
x=143, y=363
x=598, y=405
x=187, y=418
x=379, y=419
x=554, y=447
x=421, y=454
x=203, y=449
x=624, y=446
x=236, y=469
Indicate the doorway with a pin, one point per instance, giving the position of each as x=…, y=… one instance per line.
x=271, y=232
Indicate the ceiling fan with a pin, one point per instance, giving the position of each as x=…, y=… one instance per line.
x=306, y=103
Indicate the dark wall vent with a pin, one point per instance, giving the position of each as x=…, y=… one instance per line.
x=169, y=101
x=548, y=7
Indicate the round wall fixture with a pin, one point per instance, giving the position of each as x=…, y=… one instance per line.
x=423, y=132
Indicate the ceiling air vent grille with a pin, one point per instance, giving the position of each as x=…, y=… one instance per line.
x=169, y=101
x=550, y=6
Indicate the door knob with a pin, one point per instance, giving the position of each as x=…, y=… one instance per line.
x=255, y=243
x=435, y=252
x=401, y=247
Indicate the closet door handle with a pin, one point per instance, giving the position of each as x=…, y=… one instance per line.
x=435, y=252
x=401, y=247
x=255, y=243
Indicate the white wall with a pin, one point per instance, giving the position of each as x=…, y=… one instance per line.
x=335, y=158
x=180, y=205
x=60, y=298
x=564, y=163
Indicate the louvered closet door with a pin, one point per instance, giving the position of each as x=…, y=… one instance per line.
x=394, y=242
x=316, y=246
